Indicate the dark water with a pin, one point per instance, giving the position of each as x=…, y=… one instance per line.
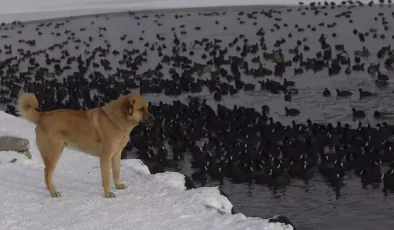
x=310, y=206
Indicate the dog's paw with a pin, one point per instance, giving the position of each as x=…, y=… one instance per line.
x=110, y=195
x=56, y=194
x=121, y=186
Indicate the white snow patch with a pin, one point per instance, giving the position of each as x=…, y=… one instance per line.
x=151, y=202
x=7, y=156
x=137, y=165
x=173, y=179
x=29, y=10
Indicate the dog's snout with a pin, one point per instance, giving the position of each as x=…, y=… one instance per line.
x=149, y=120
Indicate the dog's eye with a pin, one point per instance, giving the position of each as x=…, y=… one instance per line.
x=142, y=109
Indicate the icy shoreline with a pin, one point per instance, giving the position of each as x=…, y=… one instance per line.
x=158, y=201
x=20, y=10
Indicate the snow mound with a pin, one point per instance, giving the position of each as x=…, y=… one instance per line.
x=28, y=10
x=158, y=201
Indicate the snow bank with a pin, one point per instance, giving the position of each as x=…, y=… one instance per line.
x=29, y=10
x=158, y=201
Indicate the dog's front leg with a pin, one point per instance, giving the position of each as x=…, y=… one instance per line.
x=105, y=164
x=116, y=170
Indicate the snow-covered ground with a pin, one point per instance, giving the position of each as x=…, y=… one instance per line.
x=28, y=10
x=158, y=201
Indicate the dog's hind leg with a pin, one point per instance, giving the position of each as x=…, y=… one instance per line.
x=50, y=153
x=116, y=170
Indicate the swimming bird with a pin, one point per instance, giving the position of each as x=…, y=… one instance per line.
x=288, y=97
x=358, y=113
x=326, y=92
x=287, y=83
x=365, y=93
x=292, y=111
x=344, y=93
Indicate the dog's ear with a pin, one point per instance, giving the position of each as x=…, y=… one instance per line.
x=128, y=106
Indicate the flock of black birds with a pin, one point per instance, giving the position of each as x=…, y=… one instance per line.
x=247, y=146
x=240, y=143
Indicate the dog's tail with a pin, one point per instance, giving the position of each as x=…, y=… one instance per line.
x=27, y=107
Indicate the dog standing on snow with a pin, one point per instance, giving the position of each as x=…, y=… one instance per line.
x=102, y=132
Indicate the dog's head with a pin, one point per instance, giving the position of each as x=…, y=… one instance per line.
x=136, y=110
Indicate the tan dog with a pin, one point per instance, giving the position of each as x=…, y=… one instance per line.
x=102, y=132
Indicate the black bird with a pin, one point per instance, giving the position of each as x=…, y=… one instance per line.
x=365, y=93
x=292, y=112
x=326, y=92
x=344, y=93
x=358, y=113
x=287, y=83
x=381, y=77
x=388, y=179
x=288, y=97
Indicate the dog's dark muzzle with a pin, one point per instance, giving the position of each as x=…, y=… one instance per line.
x=149, y=120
